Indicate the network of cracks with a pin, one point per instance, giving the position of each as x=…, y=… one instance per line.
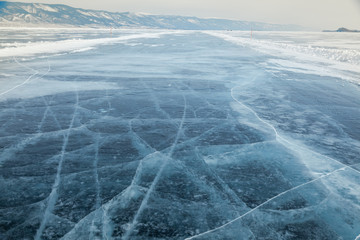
x=167, y=160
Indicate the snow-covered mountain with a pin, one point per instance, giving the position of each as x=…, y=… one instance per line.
x=34, y=15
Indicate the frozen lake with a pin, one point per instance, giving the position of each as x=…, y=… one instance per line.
x=150, y=134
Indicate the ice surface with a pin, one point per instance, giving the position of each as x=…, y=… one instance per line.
x=178, y=135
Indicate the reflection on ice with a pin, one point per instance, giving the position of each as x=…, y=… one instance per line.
x=174, y=137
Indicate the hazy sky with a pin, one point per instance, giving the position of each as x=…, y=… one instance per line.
x=319, y=14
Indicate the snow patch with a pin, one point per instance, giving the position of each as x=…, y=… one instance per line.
x=46, y=8
x=53, y=47
x=303, y=59
x=193, y=21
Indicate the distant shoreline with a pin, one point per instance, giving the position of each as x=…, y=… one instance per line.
x=342, y=30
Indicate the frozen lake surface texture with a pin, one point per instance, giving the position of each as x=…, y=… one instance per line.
x=144, y=134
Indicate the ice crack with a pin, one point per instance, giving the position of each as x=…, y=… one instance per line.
x=267, y=201
x=357, y=238
x=157, y=177
x=54, y=191
x=282, y=140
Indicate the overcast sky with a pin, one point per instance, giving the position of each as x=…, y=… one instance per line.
x=318, y=14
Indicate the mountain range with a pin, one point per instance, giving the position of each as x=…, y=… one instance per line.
x=16, y=14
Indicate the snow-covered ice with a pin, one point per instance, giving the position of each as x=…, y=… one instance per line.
x=153, y=134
